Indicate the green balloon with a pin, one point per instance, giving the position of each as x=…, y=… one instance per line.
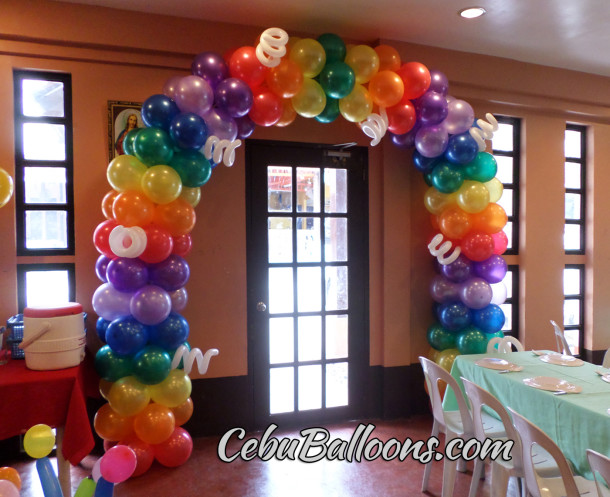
x=472, y=341
x=194, y=169
x=447, y=177
x=151, y=365
x=128, y=141
x=330, y=112
x=86, y=488
x=439, y=338
x=337, y=79
x=483, y=168
x=110, y=365
x=153, y=146
x=333, y=46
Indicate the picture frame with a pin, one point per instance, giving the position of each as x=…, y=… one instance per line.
x=119, y=114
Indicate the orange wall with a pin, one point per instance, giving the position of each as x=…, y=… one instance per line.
x=121, y=55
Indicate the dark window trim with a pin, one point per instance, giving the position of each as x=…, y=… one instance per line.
x=514, y=301
x=581, y=298
x=22, y=269
x=582, y=191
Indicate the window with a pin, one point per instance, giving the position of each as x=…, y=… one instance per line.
x=44, y=196
x=511, y=304
x=573, y=306
x=575, y=184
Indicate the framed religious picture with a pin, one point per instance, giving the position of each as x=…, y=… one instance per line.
x=122, y=118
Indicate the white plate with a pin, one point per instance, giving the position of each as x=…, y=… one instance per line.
x=497, y=363
x=544, y=352
x=606, y=377
x=552, y=384
x=561, y=360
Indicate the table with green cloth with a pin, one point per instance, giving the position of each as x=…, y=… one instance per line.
x=576, y=422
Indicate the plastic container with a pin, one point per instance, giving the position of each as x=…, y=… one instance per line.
x=53, y=338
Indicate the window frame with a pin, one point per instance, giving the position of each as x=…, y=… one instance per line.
x=581, y=298
x=23, y=269
x=582, y=191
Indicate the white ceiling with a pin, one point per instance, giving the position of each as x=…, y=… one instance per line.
x=572, y=34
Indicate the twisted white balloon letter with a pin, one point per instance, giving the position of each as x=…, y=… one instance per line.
x=272, y=46
x=189, y=357
x=375, y=126
x=220, y=150
x=439, y=252
x=485, y=131
x=127, y=242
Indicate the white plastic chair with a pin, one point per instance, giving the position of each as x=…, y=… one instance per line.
x=454, y=424
x=566, y=485
x=606, y=361
x=495, y=346
x=560, y=340
x=600, y=464
x=501, y=470
x=504, y=345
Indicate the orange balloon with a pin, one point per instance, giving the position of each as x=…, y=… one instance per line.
x=12, y=475
x=154, y=424
x=386, y=88
x=389, y=58
x=177, y=217
x=110, y=425
x=107, y=202
x=490, y=220
x=133, y=208
x=183, y=412
x=286, y=79
x=105, y=387
x=455, y=223
x=288, y=114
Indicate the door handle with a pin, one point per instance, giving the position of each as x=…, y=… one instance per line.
x=261, y=307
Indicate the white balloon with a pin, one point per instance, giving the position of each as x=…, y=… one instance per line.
x=127, y=242
x=498, y=293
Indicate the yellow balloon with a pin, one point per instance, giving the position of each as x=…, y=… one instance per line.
x=433, y=354
x=6, y=187
x=309, y=55
x=364, y=61
x=125, y=173
x=39, y=441
x=495, y=188
x=173, y=390
x=310, y=100
x=436, y=202
x=191, y=194
x=128, y=396
x=446, y=357
x=357, y=106
x=161, y=184
x=473, y=196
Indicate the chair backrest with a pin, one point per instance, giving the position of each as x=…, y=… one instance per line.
x=530, y=435
x=509, y=341
x=606, y=362
x=479, y=397
x=495, y=345
x=433, y=374
x=599, y=464
x=560, y=340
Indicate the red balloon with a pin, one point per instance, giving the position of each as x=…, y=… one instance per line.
x=143, y=451
x=175, y=450
x=159, y=245
x=500, y=242
x=244, y=64
x=101, y=236
x=416, y=78
x=477, y=246
x=267, y=108
x=401, y=117
x=182, y=245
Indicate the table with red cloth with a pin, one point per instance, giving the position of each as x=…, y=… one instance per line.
x=56, y=398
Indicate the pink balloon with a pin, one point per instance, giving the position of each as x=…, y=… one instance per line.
x=194, y=94
x=8, y=489
x=118, y=464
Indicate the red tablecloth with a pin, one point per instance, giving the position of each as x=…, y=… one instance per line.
x=56, y=398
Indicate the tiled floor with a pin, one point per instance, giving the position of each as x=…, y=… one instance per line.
x=204, y=474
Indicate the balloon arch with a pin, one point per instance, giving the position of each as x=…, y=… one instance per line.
x=193, y=125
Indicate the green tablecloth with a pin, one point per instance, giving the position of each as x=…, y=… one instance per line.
x=575, y=422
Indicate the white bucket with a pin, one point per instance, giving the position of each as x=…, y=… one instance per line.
x=53, y=338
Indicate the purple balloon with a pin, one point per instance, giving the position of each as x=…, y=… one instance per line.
x=459, y=270
x=438, y=82
x=476, y=293
x=407, y=140
x=443, y=290
x=150, y=305
x=170, y=86
x=433, y=108
x=211, y=67
x=234, y=97
x=194, y=94
x=127, y=274
x=220, y=124
x=431, y=141
x=100, y=267
x=109, y=303
x=460, y=117
x=170, y=274
x=179, y=299
x=245, y=126
x=493, y=269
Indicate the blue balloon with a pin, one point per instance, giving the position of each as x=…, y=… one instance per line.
x=103, y=488
x=101, y=325
x=454, y=316
x=461, y=149
x=490, y=319
x=188, y=131
x=48, y=478
x=158, y=111
x=424, y=164
x=126, y=335
x=171, y=333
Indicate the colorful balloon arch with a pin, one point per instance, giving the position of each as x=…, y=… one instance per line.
x=195, y=124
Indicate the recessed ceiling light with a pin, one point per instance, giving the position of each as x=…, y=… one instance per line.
x=472, y=12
